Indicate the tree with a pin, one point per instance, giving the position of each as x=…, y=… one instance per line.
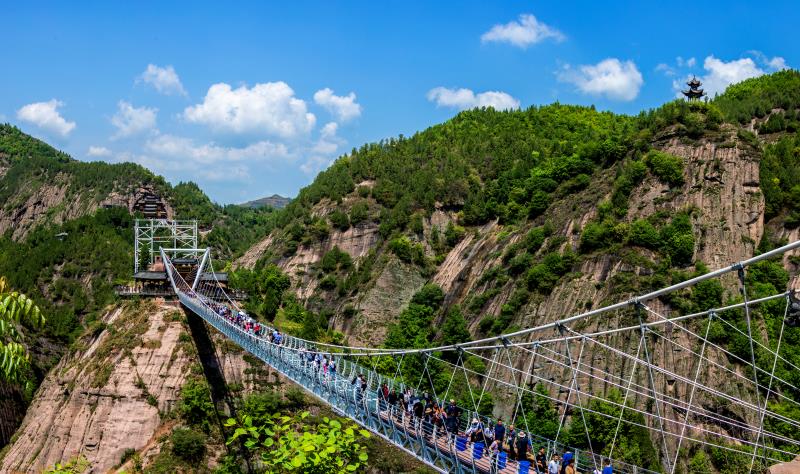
x=16, y=311
x=195, y=406
x=454, y=328
x=295, y=444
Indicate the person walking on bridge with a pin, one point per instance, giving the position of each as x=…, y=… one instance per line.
x=453, y=414
x=522, y=446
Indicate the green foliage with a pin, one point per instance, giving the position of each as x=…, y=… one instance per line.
x=779, y=171
x=543, y=276
x=188, y=445
x=454, y=328
x=540, y=414
x=430, y=295
x=16, y=310
x=644, y=234
x=339, y=220
x=758, y=96
x=668, y=168
x=689, y=118
x=359, y=212
x=633, y=442
x=336, y=260
x=408, y=251
x=296, y=444
x=678, y=239
x=78, y=465
x=265, y=286
x=97, y=248
x=195, y=405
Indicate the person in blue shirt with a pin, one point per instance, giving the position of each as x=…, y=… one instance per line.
x=608, y=469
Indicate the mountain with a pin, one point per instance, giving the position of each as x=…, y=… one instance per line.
x=275, y=201
x=485, y=223
x=522, y=217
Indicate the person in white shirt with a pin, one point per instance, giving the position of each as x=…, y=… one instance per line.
x=552, y=468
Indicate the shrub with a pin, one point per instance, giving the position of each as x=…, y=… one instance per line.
x=339, y=220
x=188, y=445
x=195, y=405
x=668, y=168
x=644, y=234
x=430, y=295
x=401, y=247
x=359, y=212
x=453, y=234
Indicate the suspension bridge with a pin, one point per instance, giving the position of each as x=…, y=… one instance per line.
x=667, y=375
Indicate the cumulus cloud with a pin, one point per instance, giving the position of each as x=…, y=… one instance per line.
x=610, y=77
x=522, y=33
x=344, y=108
x=666, y=69
x=130, y=120
x=264, y=109
x=98, y=152
x=164, y=79
x=181, y=148
x=323, y=152
x=45, y=115
x=720, y=74
x=466, y=99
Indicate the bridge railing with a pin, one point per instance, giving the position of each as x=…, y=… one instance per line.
x=424, y=440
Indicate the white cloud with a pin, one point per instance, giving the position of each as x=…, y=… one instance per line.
x=611, y=78
x=345, y=108
x=466, y=99
x=98, y=152
x=45, y=116
x=181, y=148
x=721, y=74
x=523, y=33
x=777, y=63
x=131, y=120
x=666, y=69
x=164, y=79
x=265, y=109
x=323, y=152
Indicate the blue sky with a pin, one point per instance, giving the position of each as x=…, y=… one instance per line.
x=251, y=99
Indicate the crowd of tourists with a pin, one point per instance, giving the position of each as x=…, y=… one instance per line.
x=422, y=412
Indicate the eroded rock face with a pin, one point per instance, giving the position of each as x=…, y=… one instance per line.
x=51, y=202
x=112, y=394
x=792, y=467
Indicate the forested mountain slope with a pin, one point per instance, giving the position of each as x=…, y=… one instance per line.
x=66, y=237
x=523, y=217
x=488, y=222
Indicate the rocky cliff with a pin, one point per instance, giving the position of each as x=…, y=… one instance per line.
x=114, y=392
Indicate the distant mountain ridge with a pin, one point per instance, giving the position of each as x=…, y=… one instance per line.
x=276, y=201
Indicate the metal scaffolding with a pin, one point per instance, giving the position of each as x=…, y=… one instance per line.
x=150, y=235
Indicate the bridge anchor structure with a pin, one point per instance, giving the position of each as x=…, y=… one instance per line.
x=625, y=365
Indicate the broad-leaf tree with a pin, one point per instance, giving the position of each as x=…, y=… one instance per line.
x=292, y=444
x=16, y=311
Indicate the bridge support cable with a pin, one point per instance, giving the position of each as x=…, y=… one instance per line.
x=575, y=369
x=652, y=379
x=647, y=414
x=729, y=355
x=743, y=289
x=522, y=383
x=486, y=380
x=736, y=441
x=713, y=417
x=769, y=385
x=692, y=391
x=625, y=398
x=419, y=447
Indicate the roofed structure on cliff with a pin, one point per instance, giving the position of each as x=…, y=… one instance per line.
x=694, y=92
